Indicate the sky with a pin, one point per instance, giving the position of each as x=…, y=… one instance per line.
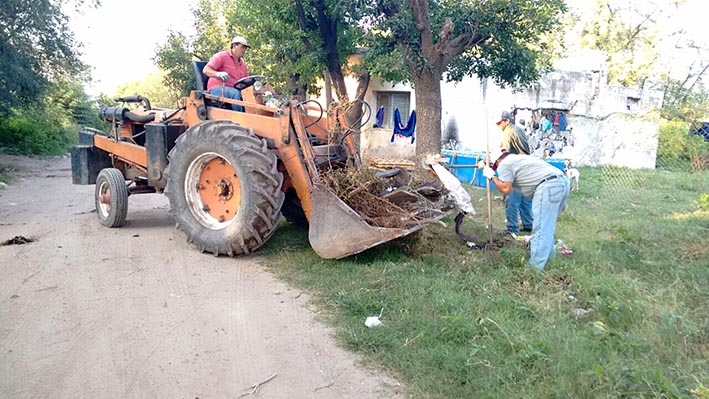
x=120, y=37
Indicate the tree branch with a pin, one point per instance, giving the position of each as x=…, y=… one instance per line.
x=699, y=76
x=300, y=17
x=422, y=21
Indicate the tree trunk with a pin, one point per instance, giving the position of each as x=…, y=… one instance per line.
x=328, y=88
x=428, y=114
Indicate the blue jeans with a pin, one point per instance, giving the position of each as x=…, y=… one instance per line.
x=517, y=205
x=228, y=92
x=549, y=200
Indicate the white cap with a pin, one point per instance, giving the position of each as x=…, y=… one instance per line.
x=240, y=40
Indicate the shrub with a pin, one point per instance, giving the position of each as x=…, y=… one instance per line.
x=678, y=150
x=35, y=132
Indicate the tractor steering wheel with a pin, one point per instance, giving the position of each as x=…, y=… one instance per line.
x=247, y=81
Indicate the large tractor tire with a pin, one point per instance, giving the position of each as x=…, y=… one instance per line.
x=111, y=197
x=224, y=188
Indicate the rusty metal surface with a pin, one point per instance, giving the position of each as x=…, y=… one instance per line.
x=337, y=231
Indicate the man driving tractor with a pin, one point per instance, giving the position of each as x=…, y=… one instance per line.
x=225, y=68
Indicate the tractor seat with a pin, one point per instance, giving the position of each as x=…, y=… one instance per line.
x=201, y=84
x=200, y=78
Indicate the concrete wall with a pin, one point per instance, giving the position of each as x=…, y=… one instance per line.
x=376, y=143
x=619, y=140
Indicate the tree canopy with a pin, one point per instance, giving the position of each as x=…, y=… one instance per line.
x=37, y=47
x=419, y=41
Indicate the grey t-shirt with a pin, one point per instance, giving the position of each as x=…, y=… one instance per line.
x=525, y=172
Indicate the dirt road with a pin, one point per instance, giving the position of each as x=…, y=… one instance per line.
x=136, y=312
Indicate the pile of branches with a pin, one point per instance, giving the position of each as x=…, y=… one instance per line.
x=399, y=201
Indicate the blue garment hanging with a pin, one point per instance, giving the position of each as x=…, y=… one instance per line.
x=563, y=122
x=380, y=117
x=400, y=129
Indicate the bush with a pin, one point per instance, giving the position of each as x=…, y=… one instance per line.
x=35, y=132
x=678, y=150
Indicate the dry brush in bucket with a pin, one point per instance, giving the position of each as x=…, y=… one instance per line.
x=395, y=198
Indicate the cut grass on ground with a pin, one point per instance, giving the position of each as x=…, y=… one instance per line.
x=625, y=315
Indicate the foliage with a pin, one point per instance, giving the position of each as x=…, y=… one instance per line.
x=282, y=51
x=34, y=131
x=626, y=32
x=460, y=324
x=678, y=149
x=507, y=41
x=687, y=102
x=153, y=88
x=641, y=40
x=686, y=107
x=49, y=127
x=216, y=24
x=175, y=60
x=36, y=48
x=69, y=105
x=213, y=32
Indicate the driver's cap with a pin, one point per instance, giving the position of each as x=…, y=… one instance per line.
x=240, y=40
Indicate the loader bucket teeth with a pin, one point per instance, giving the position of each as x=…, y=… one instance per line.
x=337, y=231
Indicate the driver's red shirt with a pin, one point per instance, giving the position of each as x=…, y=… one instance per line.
x=224, y=61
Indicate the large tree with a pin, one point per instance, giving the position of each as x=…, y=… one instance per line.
x=36, y=48
x=423, y=40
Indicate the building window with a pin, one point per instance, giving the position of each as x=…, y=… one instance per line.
x=391, y=100
x=632, y=103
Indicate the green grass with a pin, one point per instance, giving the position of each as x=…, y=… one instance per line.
x=470, y=324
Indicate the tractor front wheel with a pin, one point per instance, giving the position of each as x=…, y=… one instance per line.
x=111, y=198
x=224, y=188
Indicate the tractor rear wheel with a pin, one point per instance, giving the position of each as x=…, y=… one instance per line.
x=111, y=198
x=224, y=188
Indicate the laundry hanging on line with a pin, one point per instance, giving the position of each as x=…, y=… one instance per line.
x=379, y=117
x=400, y=129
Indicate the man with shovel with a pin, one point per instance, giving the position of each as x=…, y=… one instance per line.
x=536, y=179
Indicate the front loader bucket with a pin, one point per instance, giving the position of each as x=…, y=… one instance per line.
x=337, y=231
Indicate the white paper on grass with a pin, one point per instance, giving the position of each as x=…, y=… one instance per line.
x=372, y=321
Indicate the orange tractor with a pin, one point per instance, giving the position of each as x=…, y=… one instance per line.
x=229, y=175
